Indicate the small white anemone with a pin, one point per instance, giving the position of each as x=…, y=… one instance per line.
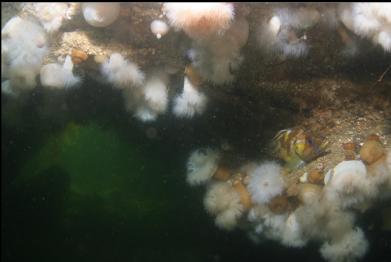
x=228, y=219
x=200, y=20
x=23, y=48
x=223, y=201
x=201, y=166
x=100, y=14
x=122, y=73
x=266, y=182
x=267, y=223
x=351, y=247
x=292, y=235
x=365, y=20
x=156, y=92
x=384, y=39
x=159, y=28
x=274, y=225
x=296, y=50
x=190, y=102
x=278, y=37
x=309, y=217
x=369, y=20
x=147, y=101
x=145, y=114
x=301, y=18
x=350, y=185
x=267, y=33
x=55, y=76
x=218, y=58
x=337, y=222
x=274, y=25
x=51, y=15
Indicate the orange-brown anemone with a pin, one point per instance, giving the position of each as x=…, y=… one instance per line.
x=372, y=150
x=78, y=56
x=222, y=174
x=316, y=177
x=245, y=197
x=193, y=76
x=349, y=150
x=279, y=204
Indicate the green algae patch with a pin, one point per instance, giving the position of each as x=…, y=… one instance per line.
x=105, y=170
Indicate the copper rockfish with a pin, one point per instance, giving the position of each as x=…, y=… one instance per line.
x=296, y=147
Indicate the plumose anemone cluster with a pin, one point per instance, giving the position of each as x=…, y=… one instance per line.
x=263, y=201
x=216, y=34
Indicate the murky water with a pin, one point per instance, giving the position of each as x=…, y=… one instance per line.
x=87, y=175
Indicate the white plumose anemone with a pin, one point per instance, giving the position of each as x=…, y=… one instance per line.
x=292, y=235
x=218, y=57
x=190, y=102
x=293, y=49
x=266, y=182
x=266, y=223
x=279, y=227
x=370, y=17
x=156, y=92
x=323, y=220
x=201, y=166
x=159, y=28
x=55, y=76
x=223, y=201
x=100, y=14
x=122, y=73
x=369, y=20
x=145, y=114
x=384, y=39
x=200, y=20
x=273, y=225
x=349, y=185
x=50, y=15
x=23, y=48
x=148, y=101
x=301, y=18
x=267, y=33
x=151, y=99
x=351, y=247
x=278, y=35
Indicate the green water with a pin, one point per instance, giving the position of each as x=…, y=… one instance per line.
x=89, y=183
x=94, y=186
